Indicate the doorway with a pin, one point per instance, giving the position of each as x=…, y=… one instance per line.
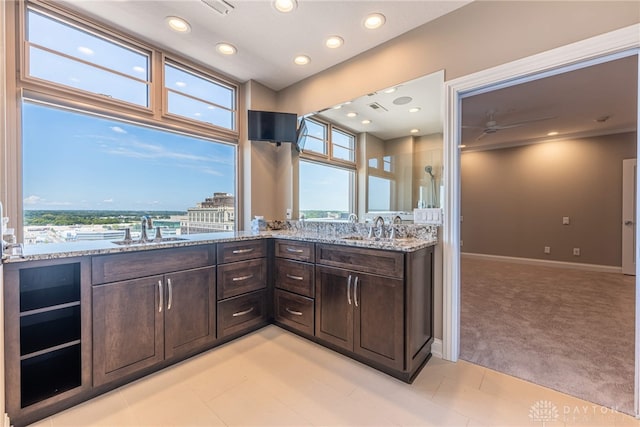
x=613, y=45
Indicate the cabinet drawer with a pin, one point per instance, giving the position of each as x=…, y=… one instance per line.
x=241, y=313
x=295, y=276
x=387, y=263
x=301, y=251
x=241, y=277
x=133, y=265
x=240, y=251
x=294, y=311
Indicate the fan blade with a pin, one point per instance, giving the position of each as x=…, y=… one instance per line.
x=482, y=135
x=472, y=127
x=524, y=122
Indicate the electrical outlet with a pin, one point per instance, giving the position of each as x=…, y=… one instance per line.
x=461, y=244
x=565, y=220
x=576, y=251
x=547, y=249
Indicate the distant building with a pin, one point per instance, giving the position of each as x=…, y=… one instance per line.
x=216, y=213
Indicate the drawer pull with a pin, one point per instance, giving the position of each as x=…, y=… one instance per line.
x=295, y=277
x=160, y=299
x=243, y=251
x=241, y=278
x=295, y=313
x=295, y=251
x=242, y=313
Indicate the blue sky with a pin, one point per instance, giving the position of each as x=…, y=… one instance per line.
x=75, y=161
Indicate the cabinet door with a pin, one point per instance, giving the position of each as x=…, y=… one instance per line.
x=379, y=319
x=190, y=316
x=334, y=306
x=128, y=327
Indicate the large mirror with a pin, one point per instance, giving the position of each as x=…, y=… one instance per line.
x=400, y=134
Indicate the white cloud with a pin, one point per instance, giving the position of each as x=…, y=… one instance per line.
x=118, y=129
x=85, y=50
x=32, y=200
x=108, y=200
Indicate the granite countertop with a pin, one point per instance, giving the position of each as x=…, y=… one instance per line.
x=103, y=247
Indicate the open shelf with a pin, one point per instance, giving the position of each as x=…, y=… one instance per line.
x=48, y=286
x=49, y=374
x=49, y=329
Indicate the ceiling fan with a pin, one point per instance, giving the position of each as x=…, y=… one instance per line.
x=492, y=126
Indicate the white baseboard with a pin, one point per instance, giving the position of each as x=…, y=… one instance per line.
x=436, y=348
x=547, y=263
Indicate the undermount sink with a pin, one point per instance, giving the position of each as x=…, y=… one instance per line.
x=352, y=238
x=137, y=242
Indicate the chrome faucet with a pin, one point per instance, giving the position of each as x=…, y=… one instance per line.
x=353, y=218
x=145, y=223
x=378, y=222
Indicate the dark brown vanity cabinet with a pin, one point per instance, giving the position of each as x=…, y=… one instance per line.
x=376, y=304
x=242, y=286
x=47, y=334
x=295, y=285
x=142, y=321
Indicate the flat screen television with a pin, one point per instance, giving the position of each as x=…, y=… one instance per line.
x=272, y=126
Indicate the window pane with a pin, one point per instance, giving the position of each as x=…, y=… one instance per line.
x=48, y=66
x=84, y=46
x=201, y=111
x=379, y=194
x=325, y=191
x=86, y=177
x=343, y=145
x=317, y=135
x=191, y=84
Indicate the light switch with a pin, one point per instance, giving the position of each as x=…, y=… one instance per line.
x=565, y=220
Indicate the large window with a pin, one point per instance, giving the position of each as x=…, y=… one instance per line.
x=88, y=177
x=104, y=138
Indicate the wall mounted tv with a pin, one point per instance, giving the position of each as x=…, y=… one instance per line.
x=272, y=126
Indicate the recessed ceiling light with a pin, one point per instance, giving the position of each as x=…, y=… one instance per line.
x=554, y=133
x=285, y=6
x=337, y=107
x=352, y=114
x=462, y=146
x=178, y=24
x=302, y=60
x=390, y=90
x=347, y=103
x=374, y=21
x=226, y=49
x=366, y=122
x=334, y=42
x=414, y=109
x=414, y=130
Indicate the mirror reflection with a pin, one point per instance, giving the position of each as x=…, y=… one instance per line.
x=400, y=134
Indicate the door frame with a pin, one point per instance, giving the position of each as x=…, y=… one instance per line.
x=602, y=48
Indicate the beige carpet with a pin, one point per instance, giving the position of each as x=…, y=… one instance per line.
x=566, y=329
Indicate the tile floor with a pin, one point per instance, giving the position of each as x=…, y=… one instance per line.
x=274, y=378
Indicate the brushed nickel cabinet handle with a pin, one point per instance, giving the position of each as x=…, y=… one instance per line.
x=355, y=291
x=242, y=313
x=241, y=278
x=349, y=290
x=295, y=313
x=170, y=294
x=295, y=277
x=295, y=251
x=160, y=299
x=243, y=251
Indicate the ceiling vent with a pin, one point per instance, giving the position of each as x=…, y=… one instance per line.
x=220, y=6
x=377, y=107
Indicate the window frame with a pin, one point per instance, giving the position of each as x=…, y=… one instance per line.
x=328, y=157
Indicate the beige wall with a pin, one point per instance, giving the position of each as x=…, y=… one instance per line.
x=475, y=37
x=513, y=199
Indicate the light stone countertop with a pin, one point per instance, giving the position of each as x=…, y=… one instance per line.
x=104, y=247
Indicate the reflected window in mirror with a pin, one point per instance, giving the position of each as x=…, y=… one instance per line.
x=326, y=191
x=316, y=137
x=380, y=190
x=343, y=145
